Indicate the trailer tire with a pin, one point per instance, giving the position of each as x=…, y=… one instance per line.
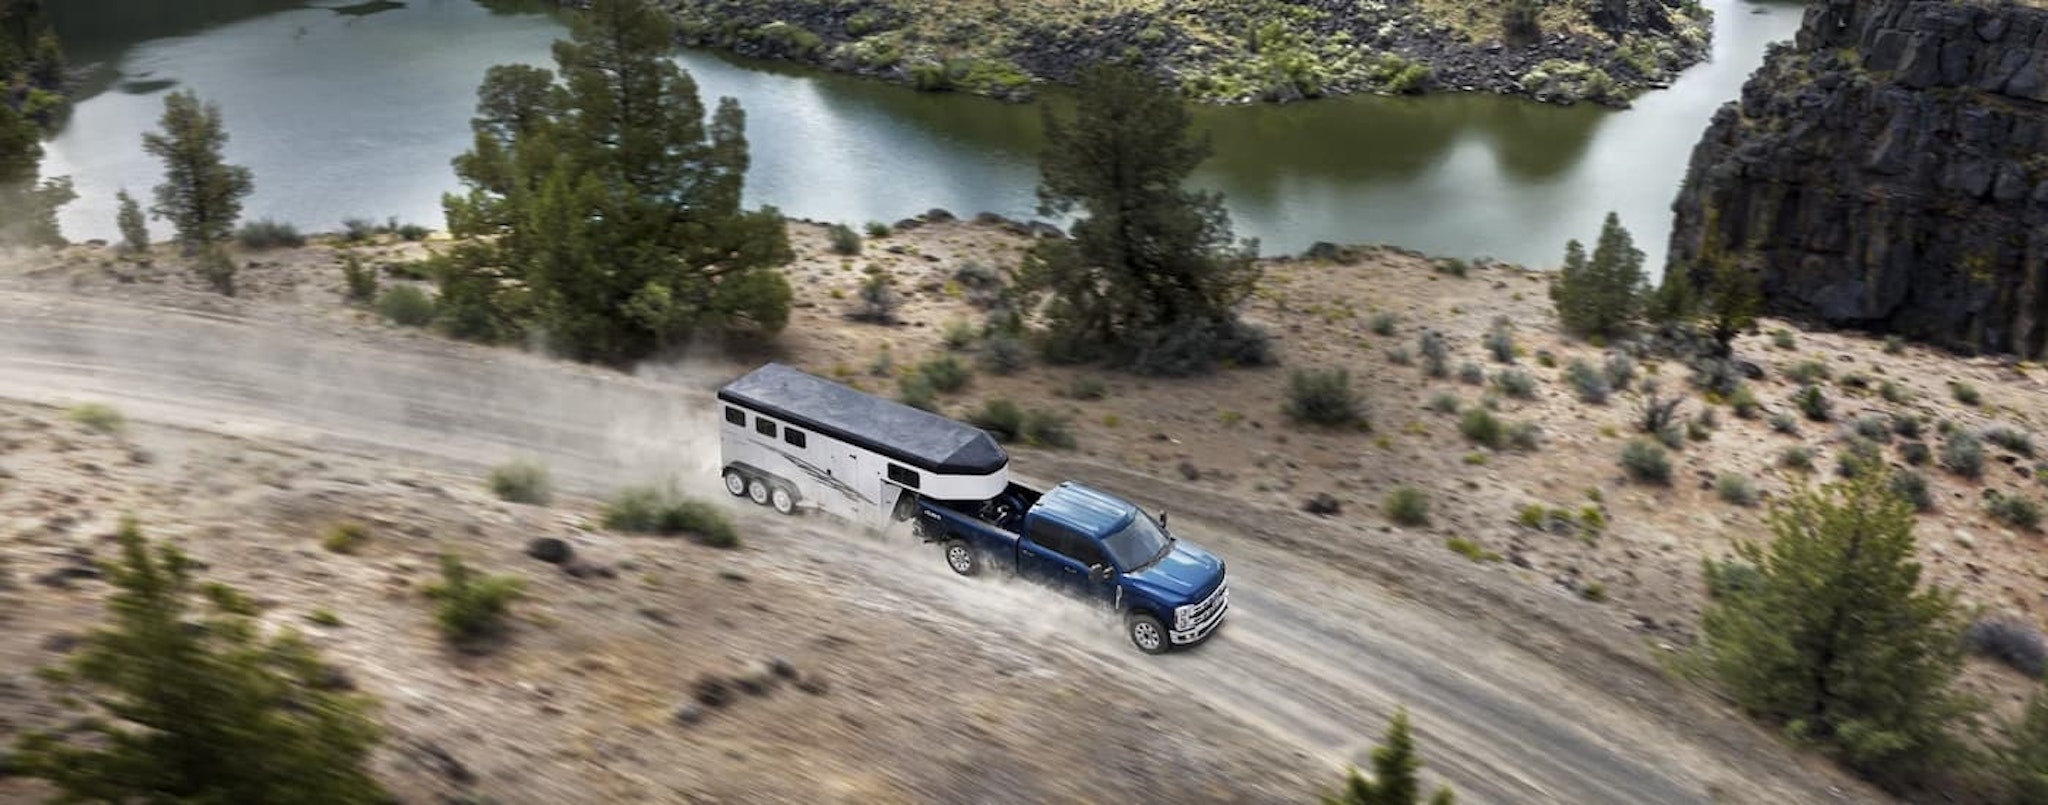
x=735, y=482
x=1147, y=633
x=782, y=499
x=757, y=491
x=961, y=558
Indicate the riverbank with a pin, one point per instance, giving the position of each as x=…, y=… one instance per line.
x=1224, y=52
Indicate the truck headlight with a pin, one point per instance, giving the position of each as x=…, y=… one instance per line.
x=1180, y=616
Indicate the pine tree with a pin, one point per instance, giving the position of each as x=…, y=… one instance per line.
x=1836, y=639
x=611, y=207
x=1151, y=266
x=201, y=195
x=205, y=711
x=134, y=229
x=1394, y=780
x=28, y=207
x=1604, y=295
x=2026, y=752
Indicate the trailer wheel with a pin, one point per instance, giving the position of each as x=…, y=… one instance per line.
x=782, y=499
x=961, y=558
x=735, y=482
x=1146, y=632
x=757, y=491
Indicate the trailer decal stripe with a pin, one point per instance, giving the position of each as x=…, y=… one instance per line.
x=825, y=477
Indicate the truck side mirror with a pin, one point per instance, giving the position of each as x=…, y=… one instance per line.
x=1162, y=518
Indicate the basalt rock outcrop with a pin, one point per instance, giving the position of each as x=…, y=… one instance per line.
x=1888, y=171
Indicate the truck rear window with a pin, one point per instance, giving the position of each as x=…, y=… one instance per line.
x=903, y=475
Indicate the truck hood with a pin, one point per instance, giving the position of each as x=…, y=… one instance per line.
x=1187, y=571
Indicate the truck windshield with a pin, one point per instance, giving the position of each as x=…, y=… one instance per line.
x=1138, y=544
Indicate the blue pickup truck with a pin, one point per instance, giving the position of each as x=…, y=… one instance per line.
x=1091, y=544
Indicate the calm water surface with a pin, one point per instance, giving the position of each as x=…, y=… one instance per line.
x=355, y=111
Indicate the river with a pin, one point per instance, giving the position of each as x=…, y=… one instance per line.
x=347, y=111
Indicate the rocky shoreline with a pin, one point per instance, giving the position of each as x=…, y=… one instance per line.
x=1221, y=53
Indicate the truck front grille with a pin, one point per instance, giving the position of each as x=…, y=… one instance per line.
x=1199, y=612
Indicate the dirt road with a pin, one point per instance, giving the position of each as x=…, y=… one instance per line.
x=1315, y=654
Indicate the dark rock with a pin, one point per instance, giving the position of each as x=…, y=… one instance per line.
x=334, y=677
x=61, y=642
x=657, y=616
x=689, y=714
x=712, y=691
x=782, y=668
x=813, y=686
x=1322, y=503
x=550, y=550
x=1189, y=471
x=62, y=577
x=439, y=759
x=938, y=215
x=1883, y=173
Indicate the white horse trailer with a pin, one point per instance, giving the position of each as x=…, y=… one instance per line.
x=794, y=440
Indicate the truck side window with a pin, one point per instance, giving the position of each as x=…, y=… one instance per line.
x=735, y=416
x=793, y=436
x=764, y=427
x=1053, y=537
x=1085, y=551
x=903, y=475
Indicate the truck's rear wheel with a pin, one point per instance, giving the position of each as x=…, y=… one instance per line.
x=961, y=558
x=1147, y=633
x=782, y=499
x=757, y=491
x=735, y=482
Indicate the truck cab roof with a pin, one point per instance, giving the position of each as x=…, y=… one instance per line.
x=1085, y=509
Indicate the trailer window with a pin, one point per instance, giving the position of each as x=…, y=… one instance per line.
x=903, y=475
x=764, y=427
x=794, y=436
x=735, y=416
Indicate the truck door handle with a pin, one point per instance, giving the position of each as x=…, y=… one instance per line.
x=1071, y=570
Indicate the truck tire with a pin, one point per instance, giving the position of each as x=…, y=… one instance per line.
x=782, y=499
x=1147, y=633
x=735, y=482
x=757, y=491
x=961, y=558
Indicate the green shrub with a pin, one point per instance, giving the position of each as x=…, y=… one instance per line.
x=1784, y=423
x=473, y=605
x=1859, y=456
x=1807, y=373
x=877, y=229
x=1436, y=355
x=346, y=537
x=407, y=306
x=1593, y=386
x=2013, y=439
x=1966, y=393
x=414, y=232
x=1444, y=403
x=1646, y=462
x=1893, y=393
x=915, y=390
x=1906, y=425
x=269, y=234
x=1915, y=453
x=844, y=240
x=1912, y=486
x=1471, y=374
x=98, y=416
x=1744, y=403
x=1784, y=339
x=1002, y=418
x=324, y=617
x=1481, y=427
x=1471, y=550
x=1383, y=323
x=1797, y=458
x=2015, y=510
x=361, y=280
x=1323, y=397
x=1524, y=436
x=945, y=373
x=1813, y=403
x=1500, y=343
x=522, y=482
x=1736, y=489
x=1874, y=427
x=1621, y=371
x=358, y=230
x=648, y=510
x=1963, y=454
x=1087, y=388
x=1004, y=355
x=1407, y=506
x=958, y=334
x=1516, y=383
x=229, y=599
x=1047, y=429
x=1728, y=577
x=1400, y=356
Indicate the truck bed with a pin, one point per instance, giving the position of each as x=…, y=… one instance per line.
x=969, y=520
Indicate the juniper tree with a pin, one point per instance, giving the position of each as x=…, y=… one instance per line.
x=1151, y=275
x=2026, y=752
x=1837, y=641
x=1394, y=767
x=1603, y=295
x=201, y=194
x=32, y=73
x=134, y=229
x=606, y=209
x=201, y=709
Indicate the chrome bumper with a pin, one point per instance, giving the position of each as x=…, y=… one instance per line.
x=1208, y=623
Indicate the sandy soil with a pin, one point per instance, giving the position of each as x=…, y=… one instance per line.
x=1523, y=688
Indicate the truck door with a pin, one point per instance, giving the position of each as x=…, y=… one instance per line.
x=1052, y=555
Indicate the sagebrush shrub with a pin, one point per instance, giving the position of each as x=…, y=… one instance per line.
x=522, y=482
x=1323, y=397
x=1407, y=505
x=1646, y=462
x=473, y=605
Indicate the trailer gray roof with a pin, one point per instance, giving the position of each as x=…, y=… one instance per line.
x=916, y=437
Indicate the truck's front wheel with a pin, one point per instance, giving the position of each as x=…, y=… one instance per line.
x=1147, y=633
x=961, y=558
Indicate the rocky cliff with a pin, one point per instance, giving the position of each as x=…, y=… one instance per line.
x=1888, y=170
